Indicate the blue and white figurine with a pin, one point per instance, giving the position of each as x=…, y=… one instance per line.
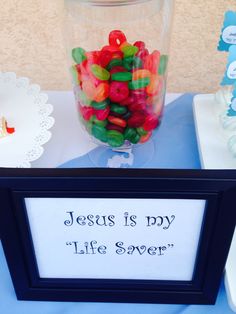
x=232, y=107
x=228, y=34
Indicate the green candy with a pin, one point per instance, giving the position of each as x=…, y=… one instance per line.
x=74, y=74
x=131, y=135
x=122, y=76
x=129, y=51
x=99, y=132
x=135, y=139
x=99, y=72
x=163, y=65
x=118, y=109
x=89, y=126
x=115, y=138
x=141, y=131
x=139, y=83
x=83, y=98
x=114, y=63
x=100, y=105
x=137, y=63
x=128, y=63
x=132, y=63
x=101, y=123
x=78, y=54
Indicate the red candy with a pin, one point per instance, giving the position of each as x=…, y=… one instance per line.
x=119, y=91
x=140, y=45
x=117, y=121
x=105, y=58
x=128, y=101
x=117, y=69
x=137, y=106
x=151, y=122
x=102, y=114
x=142, y=54
x=82, y=67
x=86, y=112
x=92, y=57
x=115, y=128
x=137, y=119
x=89, y=89
x=152, y=62
x=117, y=55
x=117, y=38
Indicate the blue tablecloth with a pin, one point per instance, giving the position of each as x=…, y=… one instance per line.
x=173, y=146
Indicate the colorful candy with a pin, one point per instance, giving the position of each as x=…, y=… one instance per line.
x=129, y=50
x=118, y=89
x=99, y=132
x=138, y=84
x=140, y=74
x=117, y=38
x=100, y=73
x=102, y=114
x=163, y=65
x=101, y=92
x=100, y=105
x=114, y=63
x=151, y=122
x=115, y=138
x=137, y=119
x=78, y=55
x=105, y=58
x=118, y=109
x=117, y=121
x=121, y=76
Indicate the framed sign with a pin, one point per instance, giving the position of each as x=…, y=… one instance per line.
x=146, y=236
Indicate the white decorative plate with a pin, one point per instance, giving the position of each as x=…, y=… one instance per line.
x=25, y=108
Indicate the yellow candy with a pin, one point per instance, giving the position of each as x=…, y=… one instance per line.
x=140, y=74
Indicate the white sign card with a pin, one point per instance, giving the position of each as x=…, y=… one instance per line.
x=109, y=238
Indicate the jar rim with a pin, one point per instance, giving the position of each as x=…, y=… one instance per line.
x=112, y=2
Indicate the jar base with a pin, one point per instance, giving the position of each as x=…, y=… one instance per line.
x=135, y=156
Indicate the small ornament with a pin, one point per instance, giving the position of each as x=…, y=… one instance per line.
x=230, y=73
x=228, y=35
x=4, y=129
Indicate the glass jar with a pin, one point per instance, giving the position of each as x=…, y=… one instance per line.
x=118, y=54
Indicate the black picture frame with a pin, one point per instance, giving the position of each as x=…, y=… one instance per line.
x=218, y=188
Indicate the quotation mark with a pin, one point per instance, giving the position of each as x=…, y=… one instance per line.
x=170, y=246
x=68, y=243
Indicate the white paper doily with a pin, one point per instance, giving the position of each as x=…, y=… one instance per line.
x=25, y=109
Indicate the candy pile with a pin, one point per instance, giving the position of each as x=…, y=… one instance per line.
x=118, y=88
x=4, y=129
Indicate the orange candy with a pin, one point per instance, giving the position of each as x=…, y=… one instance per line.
x=117, y=121
x=140, y=74
x=154, y=87
x=89, y=89
x=124, y=44
x=145, y=138
x=101, y=92
x=152, y=62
